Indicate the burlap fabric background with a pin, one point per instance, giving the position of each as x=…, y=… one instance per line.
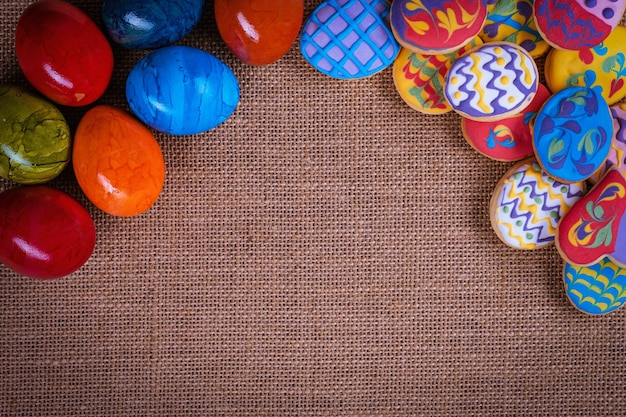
x=326, y=251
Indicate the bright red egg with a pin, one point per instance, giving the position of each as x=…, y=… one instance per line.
x=44, y=232
x=259, y=32
x=62, y=53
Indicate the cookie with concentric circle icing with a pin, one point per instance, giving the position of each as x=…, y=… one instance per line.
x=492, y=81
x=419, y=78
x=508, y=139
x=572, y=133
x=527, y=204
x=577, y=24
x=436, y=26
x=596, y=289
x=349, y=39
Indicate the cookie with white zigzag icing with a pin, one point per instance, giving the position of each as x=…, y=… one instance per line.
x=527, y=205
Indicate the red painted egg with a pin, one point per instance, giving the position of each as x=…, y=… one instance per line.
x=259, y=32
x=44, y=232
x=62, y=53
x=117, y=162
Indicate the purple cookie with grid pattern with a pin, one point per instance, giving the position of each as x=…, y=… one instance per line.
x=349, y=39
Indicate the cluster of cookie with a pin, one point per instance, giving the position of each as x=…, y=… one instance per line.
x=477, y=58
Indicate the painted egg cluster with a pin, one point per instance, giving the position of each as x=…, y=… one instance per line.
x=66, y=58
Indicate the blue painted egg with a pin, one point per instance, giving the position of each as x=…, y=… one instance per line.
x=182, y=90
x=140, y=24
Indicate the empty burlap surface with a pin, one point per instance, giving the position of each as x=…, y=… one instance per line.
x=325, y=251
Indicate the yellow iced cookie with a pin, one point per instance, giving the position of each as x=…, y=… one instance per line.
x=603, y=67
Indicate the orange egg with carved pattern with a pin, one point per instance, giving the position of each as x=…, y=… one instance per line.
x=117, y=161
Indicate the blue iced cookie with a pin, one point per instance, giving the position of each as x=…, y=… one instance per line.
x=596, y=289
x=572, y=133
x=349, y=39
x=140, y=24
x=182, y=90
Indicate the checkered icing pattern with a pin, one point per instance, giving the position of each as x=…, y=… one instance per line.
x=349, y=38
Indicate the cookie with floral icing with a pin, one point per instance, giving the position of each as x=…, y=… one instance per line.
x=513, y=21
x=436, y=26
x=595, y=227
x=572, y=133
x=596, y=289
x=617, y=154
x=527, y=204
x=508, y=139
x=419, y=78
x=492, y=81
x=603, y=67
x=577, y=24
x=349, y=39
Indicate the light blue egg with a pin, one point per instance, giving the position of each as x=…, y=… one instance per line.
x=182, y=90
x=140, y=24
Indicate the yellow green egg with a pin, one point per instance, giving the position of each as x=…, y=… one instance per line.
x=35, y=141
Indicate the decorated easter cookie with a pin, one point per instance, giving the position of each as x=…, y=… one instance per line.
x=572, y=134
x=491, y=81
x=349, y=39
x=436, y=26
x=527, y=204
x=603, y=67
x=577, y=24
x=596, y=289
x=513, y=21
x=508, y=139
x=419, y=78
x=617, y=154
x=595, y=227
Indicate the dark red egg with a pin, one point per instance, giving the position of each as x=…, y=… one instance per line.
x=62, y=53
x=44, y=232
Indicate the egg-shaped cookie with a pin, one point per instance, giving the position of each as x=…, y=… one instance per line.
x=349, y=39
x=527, y=204
x=595, y=227
x=602, y=67
x=437, y=26
x=419, y=78
x=577, y=24
x=596, y=289
x=572, y=133
x=492, y=81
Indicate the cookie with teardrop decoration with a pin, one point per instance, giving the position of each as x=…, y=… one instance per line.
x=617, y=155
x=595, y=227
x=436, y=26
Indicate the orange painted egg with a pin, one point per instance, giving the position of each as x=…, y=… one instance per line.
x=117, y=161
x=259, y=32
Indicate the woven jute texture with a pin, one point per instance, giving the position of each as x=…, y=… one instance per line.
x=326, y=251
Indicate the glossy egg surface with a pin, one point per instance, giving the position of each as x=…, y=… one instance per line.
x=117, y=162
x=140, y=24
x=259, y=32
x=35, y=142
x=182, y=90
x=62, y=53
x=44, y=232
